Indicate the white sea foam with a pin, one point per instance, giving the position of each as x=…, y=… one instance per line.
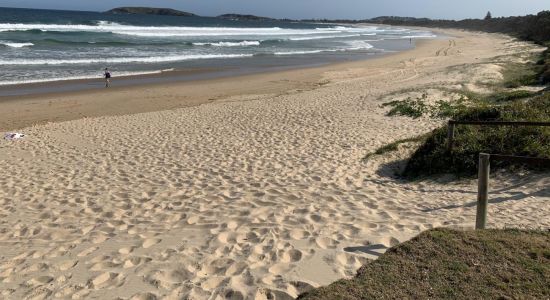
x=16, y=45
x=354, y=45
x=169, y=44
x=418, y=36
x=107, y=23
x=299, y=52
x=358, y=45
x=175, y=31
x=230, y=44
x=160, y=31
x=321, y=37
x=120, y=60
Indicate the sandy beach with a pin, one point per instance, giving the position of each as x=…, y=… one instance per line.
x=249, y=187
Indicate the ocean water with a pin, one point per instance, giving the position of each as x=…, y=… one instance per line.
x=47, y=45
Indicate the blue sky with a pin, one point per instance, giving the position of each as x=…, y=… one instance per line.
x=349, y=9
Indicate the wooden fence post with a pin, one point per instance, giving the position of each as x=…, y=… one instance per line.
x=450, y=136
x=483, y=190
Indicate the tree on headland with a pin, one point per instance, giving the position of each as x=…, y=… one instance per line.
x=488, y=16
x=534, y=28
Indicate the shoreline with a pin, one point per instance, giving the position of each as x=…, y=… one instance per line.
x=53, y=102
x=192, y=73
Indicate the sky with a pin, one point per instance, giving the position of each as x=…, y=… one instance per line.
x=298, y=9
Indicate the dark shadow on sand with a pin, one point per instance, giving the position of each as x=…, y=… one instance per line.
x=367, y=249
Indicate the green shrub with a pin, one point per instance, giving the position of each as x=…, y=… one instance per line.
x=446, y=109
x=394, y=146
x=517, y=75
x=413, y=108
x=544, y=67
x=432, y=157
x=509, y=96
x=416, y=108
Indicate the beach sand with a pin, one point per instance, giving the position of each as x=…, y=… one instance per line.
x=259, y=192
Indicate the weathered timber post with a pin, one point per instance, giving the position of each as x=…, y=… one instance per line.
x=450, y=136
x=483, y=190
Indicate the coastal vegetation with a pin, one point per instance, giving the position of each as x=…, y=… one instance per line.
x=149, y=11
x=450, y=264
x=418, y=107
x=432, y=156
x=240, y=17
x=178, y=13
x=534, y=28
x=511, y=100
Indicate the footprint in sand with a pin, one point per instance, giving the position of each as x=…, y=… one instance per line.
x=98, y=238
x=265, y=294
x=326, y=243
x=316, y=218
x=65, y=265
x=348, y=260
x=126, y=250
x=144, y=296
x=289, y=256
x=232, y=225
x=215, y=267
x=236, y=269
x=41, y=280
x=135, y=261
x=193, y=220
x=39, y=267
x=87, y=252
x=230, y=294
x=39, y=292
x=214, y=282
x=280, y=268
x=147, y=243
x=67, y=291
x=106, y=280
x=167, y=279
x=298, y=234
x=299, y=287
x=100, y=266
x=227, y=237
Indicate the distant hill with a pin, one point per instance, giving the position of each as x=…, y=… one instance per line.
x=238, y=17
x=148, y=11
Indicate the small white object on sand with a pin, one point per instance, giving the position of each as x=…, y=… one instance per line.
x=13, y=136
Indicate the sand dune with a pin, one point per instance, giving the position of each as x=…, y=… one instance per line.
x=248, y=197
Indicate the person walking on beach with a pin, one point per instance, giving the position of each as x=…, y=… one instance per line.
x=107, y=76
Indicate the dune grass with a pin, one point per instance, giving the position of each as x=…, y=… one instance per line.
x=395, y=146
x=506, y=96
x=450, y=264
x=517, y=75
x=432, y=156
x=543, y=66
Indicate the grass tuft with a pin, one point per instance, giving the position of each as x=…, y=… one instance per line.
x=414, y=108
x=432, y=157
x=395, y=146
x=518, y=75
x=509, y=96
x=451, y=264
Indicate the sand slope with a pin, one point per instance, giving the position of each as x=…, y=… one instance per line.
x=249, y=197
